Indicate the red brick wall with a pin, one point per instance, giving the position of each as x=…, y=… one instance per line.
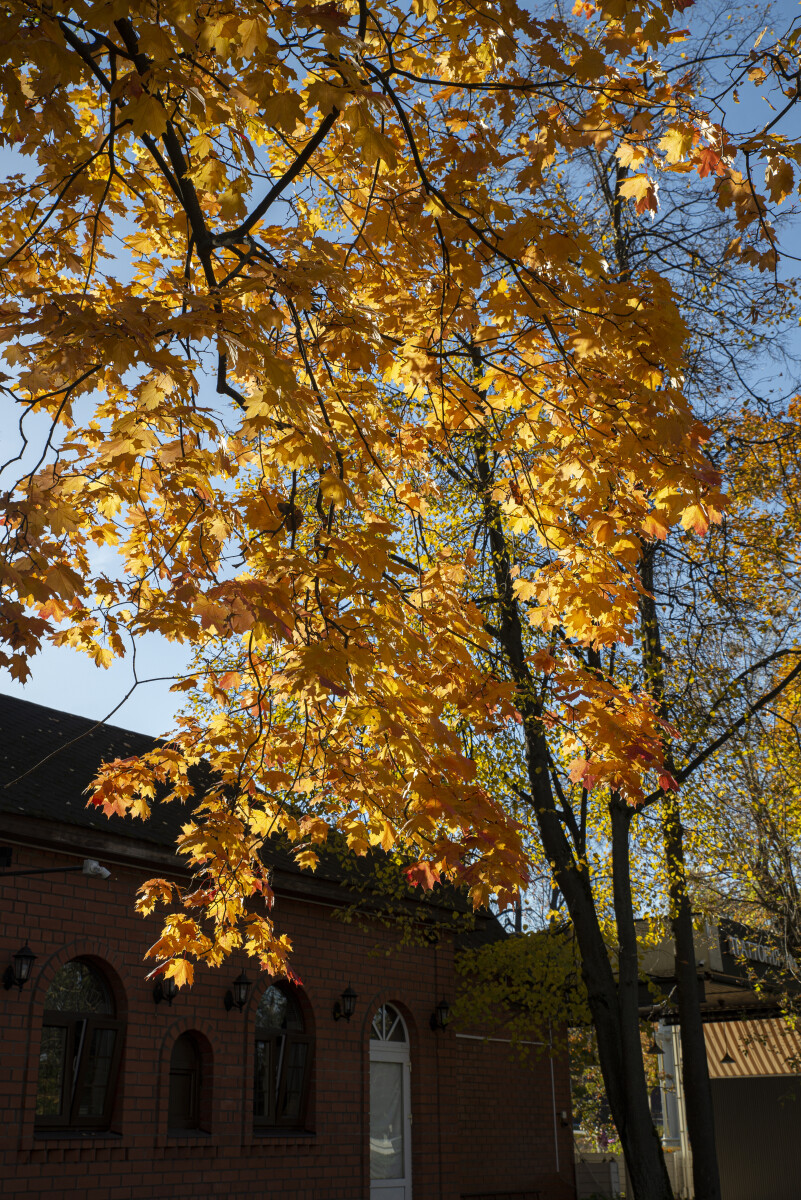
x=482, y=1123
x=514, y=1122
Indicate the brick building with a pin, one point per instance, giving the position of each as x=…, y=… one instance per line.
x=108, y=1093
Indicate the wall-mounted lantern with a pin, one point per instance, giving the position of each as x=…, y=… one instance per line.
x=440, y=1016
x=237, y=997
x=93, y=869
x=165, y=989
x=345, y=1006
x=18, y=972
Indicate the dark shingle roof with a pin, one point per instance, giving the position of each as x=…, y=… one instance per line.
x=49, y=758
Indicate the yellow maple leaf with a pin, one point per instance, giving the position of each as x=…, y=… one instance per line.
x=678, y=142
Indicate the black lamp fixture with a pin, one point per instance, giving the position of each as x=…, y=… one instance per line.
x=440, y=1016
x=345, y=1006
x=18, y=972
x=654, y=1047
x=727, y=1059
x=237, y=997
x=165, y=989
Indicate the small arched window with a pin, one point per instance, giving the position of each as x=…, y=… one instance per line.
x=80, y=1051
x=283, y=1062
x=186, y=1078
x=388, y=1026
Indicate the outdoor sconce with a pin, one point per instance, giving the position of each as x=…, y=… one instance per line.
x=237, y=997
x=165, y=989
x=93, y=869
x=440, y=1016
x=346, y=1005
x=18, y=972
x=654, y=1047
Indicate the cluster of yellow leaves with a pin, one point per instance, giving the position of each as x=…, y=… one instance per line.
x=300, y=202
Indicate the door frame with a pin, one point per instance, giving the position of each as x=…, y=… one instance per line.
x=395, y=1052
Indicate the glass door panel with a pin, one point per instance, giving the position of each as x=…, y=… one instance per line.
x=386, y=1120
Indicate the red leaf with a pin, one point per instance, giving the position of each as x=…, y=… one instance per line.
x=423, y=875
x=708, y=161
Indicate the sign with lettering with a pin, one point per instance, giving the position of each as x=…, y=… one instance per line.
x=745, y=951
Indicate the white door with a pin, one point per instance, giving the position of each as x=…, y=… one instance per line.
x=390, y=1110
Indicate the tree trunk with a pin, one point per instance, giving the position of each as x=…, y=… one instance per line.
x=695, y=1070
x=616, y=1023
x=628, y=991
x=613, y=1003
x=698, y=1092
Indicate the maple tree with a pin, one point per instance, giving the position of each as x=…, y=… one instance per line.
x=722, y=646
x=313, y=374
x=740, y=576
x=597, y=822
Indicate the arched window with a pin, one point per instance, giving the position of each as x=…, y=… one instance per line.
x=80, y=1051
x=388, y=1025
x=283, y=1062
x=186, y=1078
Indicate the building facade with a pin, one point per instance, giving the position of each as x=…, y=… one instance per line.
x=110, y=1089
x=753, y=1058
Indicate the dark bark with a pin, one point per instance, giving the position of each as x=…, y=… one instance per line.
x=697, y=1088
x=613, y=1003
x=628, y=987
